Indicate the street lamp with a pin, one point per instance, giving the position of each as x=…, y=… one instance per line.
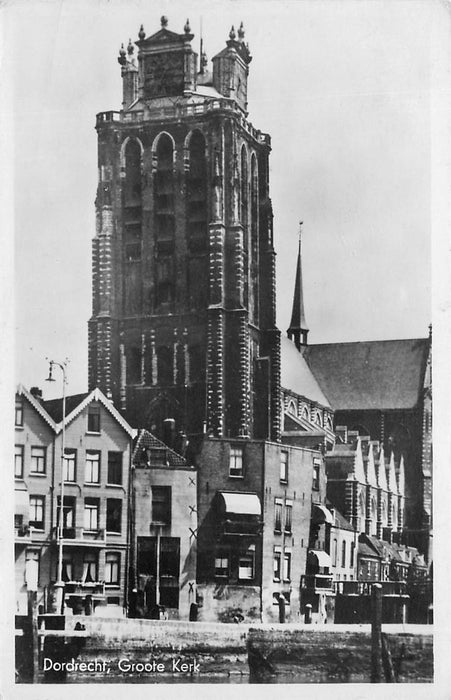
x=59, y=585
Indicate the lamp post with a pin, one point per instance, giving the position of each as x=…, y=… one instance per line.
x=59, y=585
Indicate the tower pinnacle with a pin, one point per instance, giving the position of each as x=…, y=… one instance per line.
x=298, y=331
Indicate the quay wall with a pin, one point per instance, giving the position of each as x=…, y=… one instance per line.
x=260, y=653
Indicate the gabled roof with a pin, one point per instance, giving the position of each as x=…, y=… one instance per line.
x=380, y=374
x=76, y=403
x=55, y=406
x=37, y=405
x=147, y=441
x=164, y=36
x=296, y=375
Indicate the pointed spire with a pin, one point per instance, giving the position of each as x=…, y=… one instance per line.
x=141, y=33
x=232, y=34
x=187, y=28
x=130, y=48
x=298, y=330
x=241, y=32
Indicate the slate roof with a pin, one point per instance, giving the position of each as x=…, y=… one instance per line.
x=296, y=375
x=54, y=407
x=380, y=374
x=339, y=520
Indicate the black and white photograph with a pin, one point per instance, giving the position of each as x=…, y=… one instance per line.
x=229, y=285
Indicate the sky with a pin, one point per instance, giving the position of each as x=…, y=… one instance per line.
x=343, y=88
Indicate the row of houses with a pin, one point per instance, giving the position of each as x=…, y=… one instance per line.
x=228, y=530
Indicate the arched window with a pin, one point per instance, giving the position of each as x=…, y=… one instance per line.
x=244, y=204
x=164, y=189
x=373, y=509
x=132, y=200
x=197, y=191
x=244, y=187
x=305, y=413
x=197, y=218
x=362, y=510
x=165, y=365
x=291, y=408
x=318, y=420
x=254, y=251
x=164, y=220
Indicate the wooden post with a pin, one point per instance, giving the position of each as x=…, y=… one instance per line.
x=387, y=660
x=33, y=617
x=376, y=631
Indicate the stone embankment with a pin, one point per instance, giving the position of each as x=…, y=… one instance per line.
x=141, y=651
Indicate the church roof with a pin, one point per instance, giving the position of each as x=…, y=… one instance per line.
x=380, y=374
x=296, y=375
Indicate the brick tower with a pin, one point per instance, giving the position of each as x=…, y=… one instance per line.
x=183, y=322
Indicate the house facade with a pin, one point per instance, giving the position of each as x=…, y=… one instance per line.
x=163, y=531
x=96, y=465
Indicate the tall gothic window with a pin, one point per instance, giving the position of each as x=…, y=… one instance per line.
x=244, y=203
x=254, y=248
x=132, y=201
x=197, y=216
x=165, y=365
x=164, y=221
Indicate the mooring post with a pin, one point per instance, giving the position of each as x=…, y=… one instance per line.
x=376, y=633
x=33, y=618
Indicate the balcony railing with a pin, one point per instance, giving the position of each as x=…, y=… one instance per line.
x=179, y=111
x=22, y=534
x=363, y=588
x=81, y=536
x=238, y=527
x=317, y=582
x=80, y=589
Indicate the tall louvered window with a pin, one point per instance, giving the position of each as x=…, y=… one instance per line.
x=164, y=221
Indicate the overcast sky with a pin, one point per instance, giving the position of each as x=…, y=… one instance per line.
x=344, y=89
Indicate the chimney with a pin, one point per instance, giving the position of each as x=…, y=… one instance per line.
x=36, y=392
x=169, y=432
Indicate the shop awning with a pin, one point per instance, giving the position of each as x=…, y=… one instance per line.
x=322, y=514
x=322, y=558
x=241, y=503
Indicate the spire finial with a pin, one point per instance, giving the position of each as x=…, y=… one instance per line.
x=142, y=33
x=164, y=21
x=187, y=28
x=232, y=34
x=241, y=32
x=430, y=331
x=122, y=53
x=130, y=48
x=301, y=223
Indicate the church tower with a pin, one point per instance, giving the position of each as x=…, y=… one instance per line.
x=183, y=321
